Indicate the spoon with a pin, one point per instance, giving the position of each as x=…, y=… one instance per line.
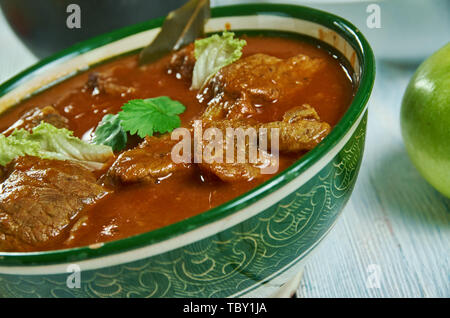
x=181, y=27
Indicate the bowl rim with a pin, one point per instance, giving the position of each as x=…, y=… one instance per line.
x=346, y=29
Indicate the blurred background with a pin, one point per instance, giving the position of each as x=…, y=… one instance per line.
x=395, y=37
x=395, y=221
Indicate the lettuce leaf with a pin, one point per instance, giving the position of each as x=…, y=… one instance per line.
x=212, y=54
x=48, y=142
x=11, y=148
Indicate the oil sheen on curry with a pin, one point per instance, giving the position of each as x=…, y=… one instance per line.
x=115, y=176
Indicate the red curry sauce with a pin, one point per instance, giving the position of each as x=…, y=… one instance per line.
x=140, y=208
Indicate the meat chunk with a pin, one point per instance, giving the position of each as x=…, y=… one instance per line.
x=182, y=63
x=40, y=198
x=240, y=171
x=300, y=129
x=259, y=79
x=100, y=84
x=231, y=172
x=299, y=113
x=152, y=161
x=148, y=162
x=34, y=117
x=2, y=174
x=239, y=158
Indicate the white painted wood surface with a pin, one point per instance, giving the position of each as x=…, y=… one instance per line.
x=394, y=219
x=395, y=227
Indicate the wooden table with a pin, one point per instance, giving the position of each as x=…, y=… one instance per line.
x=393, y=238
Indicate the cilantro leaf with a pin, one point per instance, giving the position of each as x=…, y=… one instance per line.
x=110, y=132
x=148, y=116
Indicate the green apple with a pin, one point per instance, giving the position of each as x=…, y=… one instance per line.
x=425, y=119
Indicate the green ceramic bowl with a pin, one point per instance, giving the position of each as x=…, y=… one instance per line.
x=246, y=247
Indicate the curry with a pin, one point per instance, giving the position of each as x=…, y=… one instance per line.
x=300, y=88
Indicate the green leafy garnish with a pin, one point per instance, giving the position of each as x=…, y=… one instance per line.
x=212, y=54
x=12, y=147
x=147, y=116
x=111, y=133
x=139, y=116
x=48, y=142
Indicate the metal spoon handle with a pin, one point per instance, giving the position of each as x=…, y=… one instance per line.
x=181, y=27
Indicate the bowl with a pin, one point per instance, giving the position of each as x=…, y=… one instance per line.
x=247, y=247
x=42, y=25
